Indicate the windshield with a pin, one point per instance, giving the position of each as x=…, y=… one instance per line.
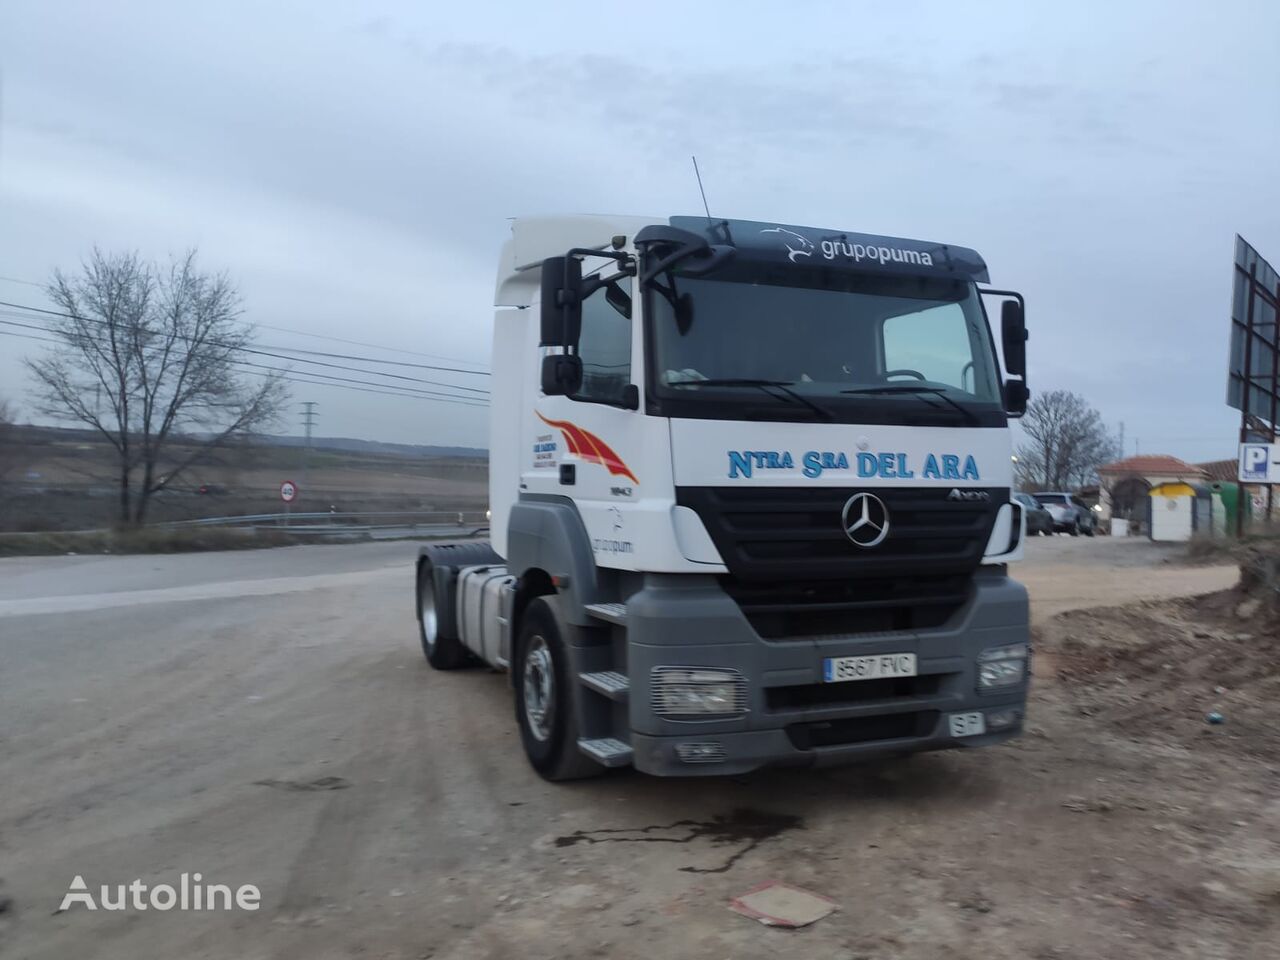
x=1052, y=499
x=854, y=348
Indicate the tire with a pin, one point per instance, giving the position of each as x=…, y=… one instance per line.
x=544, y=709
x=1075, y=529
x=1090, y=530
x=443, y=653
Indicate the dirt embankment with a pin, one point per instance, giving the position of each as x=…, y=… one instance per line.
x=1196, y=670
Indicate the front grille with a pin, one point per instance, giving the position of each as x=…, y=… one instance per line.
x=772, y=533
x=856, y=691
x=796, y=610
x=832, y=733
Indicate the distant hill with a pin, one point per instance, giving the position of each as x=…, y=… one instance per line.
x=352, y=445
x=341, y=444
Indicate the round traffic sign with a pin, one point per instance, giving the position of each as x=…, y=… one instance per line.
x=288, y=491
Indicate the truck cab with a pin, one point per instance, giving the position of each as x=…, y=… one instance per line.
x=750, y=492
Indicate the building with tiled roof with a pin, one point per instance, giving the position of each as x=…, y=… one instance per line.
x=1159, y=465
x=1221, y=471
x=1127, y=483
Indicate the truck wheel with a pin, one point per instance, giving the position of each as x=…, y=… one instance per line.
x=544, y=707
x=443, y=653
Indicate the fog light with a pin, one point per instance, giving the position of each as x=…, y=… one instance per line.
x=703, y=751
x=1003, y=719
x=701, y=692
x=1002, y=666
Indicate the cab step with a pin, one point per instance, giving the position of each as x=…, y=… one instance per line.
x=607, y=751
x=611, y=683
x=610, y=612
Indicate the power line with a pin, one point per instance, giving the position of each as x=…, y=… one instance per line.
x=391, y=391
x=339, y=386
x=365, y=343
x=389, y=363
x=29, y=283
x=308, y=333
x=401, y=393
x=407, y=391
x=268, y=353
x=319, y=353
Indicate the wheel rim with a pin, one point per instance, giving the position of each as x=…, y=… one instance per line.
x=539, y=688
x=427, y=614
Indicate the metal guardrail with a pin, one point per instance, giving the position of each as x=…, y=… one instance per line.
x=462, y=523
x=404, y=518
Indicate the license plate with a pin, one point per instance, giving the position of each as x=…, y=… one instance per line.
x=840, y=669
x=967, y=724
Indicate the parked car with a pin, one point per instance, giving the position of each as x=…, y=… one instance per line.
x=1039, y=520
x=1069, y=514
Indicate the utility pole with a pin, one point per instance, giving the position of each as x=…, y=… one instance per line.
x=1121, y=440
x=308, y=421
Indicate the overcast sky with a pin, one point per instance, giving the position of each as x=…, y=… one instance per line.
x=352, y=164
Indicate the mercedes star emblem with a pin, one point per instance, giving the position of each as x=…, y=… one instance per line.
x=865, y=520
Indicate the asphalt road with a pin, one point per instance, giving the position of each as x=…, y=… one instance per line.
x=265, y=717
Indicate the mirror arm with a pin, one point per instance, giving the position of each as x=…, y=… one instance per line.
x=618, y=255
x=595, y=283
x=1011, y=294
x=667, y=262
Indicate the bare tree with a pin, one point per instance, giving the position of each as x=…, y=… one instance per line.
x=1066, y=442
x=148, y=356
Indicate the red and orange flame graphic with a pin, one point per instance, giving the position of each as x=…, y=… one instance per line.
x=588, y=446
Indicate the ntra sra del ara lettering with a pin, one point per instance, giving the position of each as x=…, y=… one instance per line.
x=888, y=466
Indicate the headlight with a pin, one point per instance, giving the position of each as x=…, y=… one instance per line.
x=700, y=692
x=1002, y=666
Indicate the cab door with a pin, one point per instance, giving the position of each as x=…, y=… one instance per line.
x=587, y=446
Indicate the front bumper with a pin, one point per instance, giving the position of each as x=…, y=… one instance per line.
x=753, y=749
x=792, y=717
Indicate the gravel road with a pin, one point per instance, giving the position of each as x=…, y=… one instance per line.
x=266, y=717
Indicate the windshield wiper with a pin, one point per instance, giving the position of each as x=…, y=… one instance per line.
x=918, y=391
x=783, y=385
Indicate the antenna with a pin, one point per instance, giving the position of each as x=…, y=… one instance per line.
x=700, y=190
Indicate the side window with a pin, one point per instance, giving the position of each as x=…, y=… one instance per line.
x=934, y=343
x=605, y=343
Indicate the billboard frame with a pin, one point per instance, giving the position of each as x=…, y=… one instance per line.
x=1253, y=428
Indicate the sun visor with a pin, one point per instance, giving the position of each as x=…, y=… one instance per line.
x=861, y=252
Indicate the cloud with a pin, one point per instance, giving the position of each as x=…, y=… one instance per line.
x=355, y=170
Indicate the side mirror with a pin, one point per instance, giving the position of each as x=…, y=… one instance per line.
x=561, y=374
x=1016, y=396
x=1013, y=335
x=561, y=301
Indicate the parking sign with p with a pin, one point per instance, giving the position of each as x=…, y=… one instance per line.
x=1258, y=462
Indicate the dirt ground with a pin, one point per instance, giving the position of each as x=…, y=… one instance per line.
x=266, y=718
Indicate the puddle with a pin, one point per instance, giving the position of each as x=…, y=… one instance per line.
x=324, y=783
x=746, y=829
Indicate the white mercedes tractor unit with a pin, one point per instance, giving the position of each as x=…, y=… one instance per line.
x=750, y=492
